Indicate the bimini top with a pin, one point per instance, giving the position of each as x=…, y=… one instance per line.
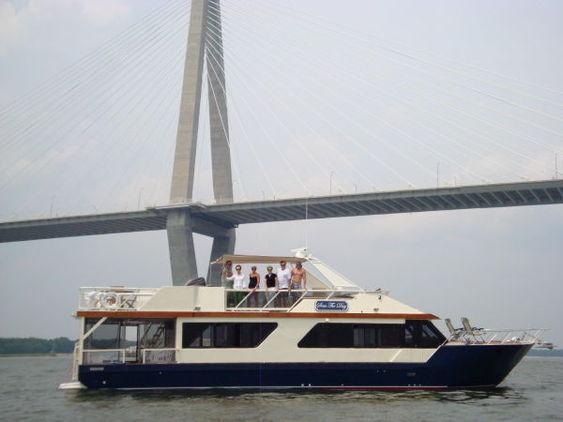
x=257, y=259
x=319, y=276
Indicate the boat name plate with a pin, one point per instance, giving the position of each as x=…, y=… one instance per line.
x=331, y=306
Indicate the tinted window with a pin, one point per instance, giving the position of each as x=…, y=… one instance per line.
x=408, y=335
x=106, y=336
x=218, y=335
x=112, y=334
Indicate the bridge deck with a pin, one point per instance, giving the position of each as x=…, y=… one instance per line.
x=208, y=217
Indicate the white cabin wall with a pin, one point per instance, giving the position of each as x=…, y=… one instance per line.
x=189, y=298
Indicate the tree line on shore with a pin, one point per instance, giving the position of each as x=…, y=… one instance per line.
x=32, y=345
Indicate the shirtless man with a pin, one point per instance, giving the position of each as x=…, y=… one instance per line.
x=298, y=277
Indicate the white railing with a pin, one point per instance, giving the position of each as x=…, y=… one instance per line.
x=113, y=298
x=503, y=336
x=280, y=300
x=103, y=356
x=128, y=355
x=153, y=356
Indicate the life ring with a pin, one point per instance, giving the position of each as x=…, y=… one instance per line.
x=110, y=300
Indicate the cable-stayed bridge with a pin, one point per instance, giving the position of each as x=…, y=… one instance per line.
x=433, y=143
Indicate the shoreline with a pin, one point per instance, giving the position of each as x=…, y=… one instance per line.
x=2, y=355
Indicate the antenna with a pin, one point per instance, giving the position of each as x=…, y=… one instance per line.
x=306, y=223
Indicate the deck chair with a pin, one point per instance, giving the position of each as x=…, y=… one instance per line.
x=476, y=333
x=455, y=333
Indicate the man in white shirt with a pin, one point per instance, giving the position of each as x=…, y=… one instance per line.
x=284, y=278
x=233, y=298
x=238, y=279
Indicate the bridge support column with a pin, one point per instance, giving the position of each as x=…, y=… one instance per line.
x=179, y=226
x=223, y=243
x=186, y=138
x=218, y=116
x=181, y=245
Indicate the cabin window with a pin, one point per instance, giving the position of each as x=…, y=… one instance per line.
x=430, y=335
x=123, y=333
x=225, y=335
x=412, y=334
x=106, y=336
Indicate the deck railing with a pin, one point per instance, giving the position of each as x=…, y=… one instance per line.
x=280, y=300
x=153, y=356
x=502, y=336
x=103, y=356
x=130, y=299
x=113, y=298
x=128, y=355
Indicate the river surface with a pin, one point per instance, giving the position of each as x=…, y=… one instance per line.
x=28, y=391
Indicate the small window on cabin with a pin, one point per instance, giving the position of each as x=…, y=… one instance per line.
x=410, y=333
x=225, y=335
x=106, y=336
x=392, y=336
x=193, y=337
x=366, y=335
x=430, y=336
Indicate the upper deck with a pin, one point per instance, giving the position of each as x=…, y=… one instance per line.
x=328, y=293
x=185, y=301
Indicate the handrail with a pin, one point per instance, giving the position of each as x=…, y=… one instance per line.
x=113, y=298
x=303, y=294
x=500, y=336
x=161, y=355
x=121, y=353
x=167, y=349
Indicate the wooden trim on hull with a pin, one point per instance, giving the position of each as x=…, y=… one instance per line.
x=241, y=314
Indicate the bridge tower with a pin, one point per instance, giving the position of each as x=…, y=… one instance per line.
x=179, y=225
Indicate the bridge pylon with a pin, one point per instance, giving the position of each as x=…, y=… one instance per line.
x=179, y=225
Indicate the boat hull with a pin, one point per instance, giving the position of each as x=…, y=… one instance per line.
x=451, y=367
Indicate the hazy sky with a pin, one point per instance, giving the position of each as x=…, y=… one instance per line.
x=326, y=98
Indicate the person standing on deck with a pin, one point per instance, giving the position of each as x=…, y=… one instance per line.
x=284, y=278
x=298, y=281
x=238, y=284
x=298, y=277
x=225, y=274
x=271, y=280
x=238, y=279
x=254, y=283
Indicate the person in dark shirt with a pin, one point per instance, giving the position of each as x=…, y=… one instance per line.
x=254, y=283
x=271, y=282
x=271, y=278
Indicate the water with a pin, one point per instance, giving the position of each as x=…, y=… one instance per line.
x=28, y=391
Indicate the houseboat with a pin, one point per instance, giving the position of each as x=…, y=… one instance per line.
x=331, y=335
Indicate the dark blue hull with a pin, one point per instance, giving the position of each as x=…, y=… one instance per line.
x=470, y=366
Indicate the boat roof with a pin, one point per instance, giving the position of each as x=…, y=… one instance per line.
x=326, y=277
x=257, y=259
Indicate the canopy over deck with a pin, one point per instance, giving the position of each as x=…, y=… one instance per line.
x=326, y=277
x=257, y=259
